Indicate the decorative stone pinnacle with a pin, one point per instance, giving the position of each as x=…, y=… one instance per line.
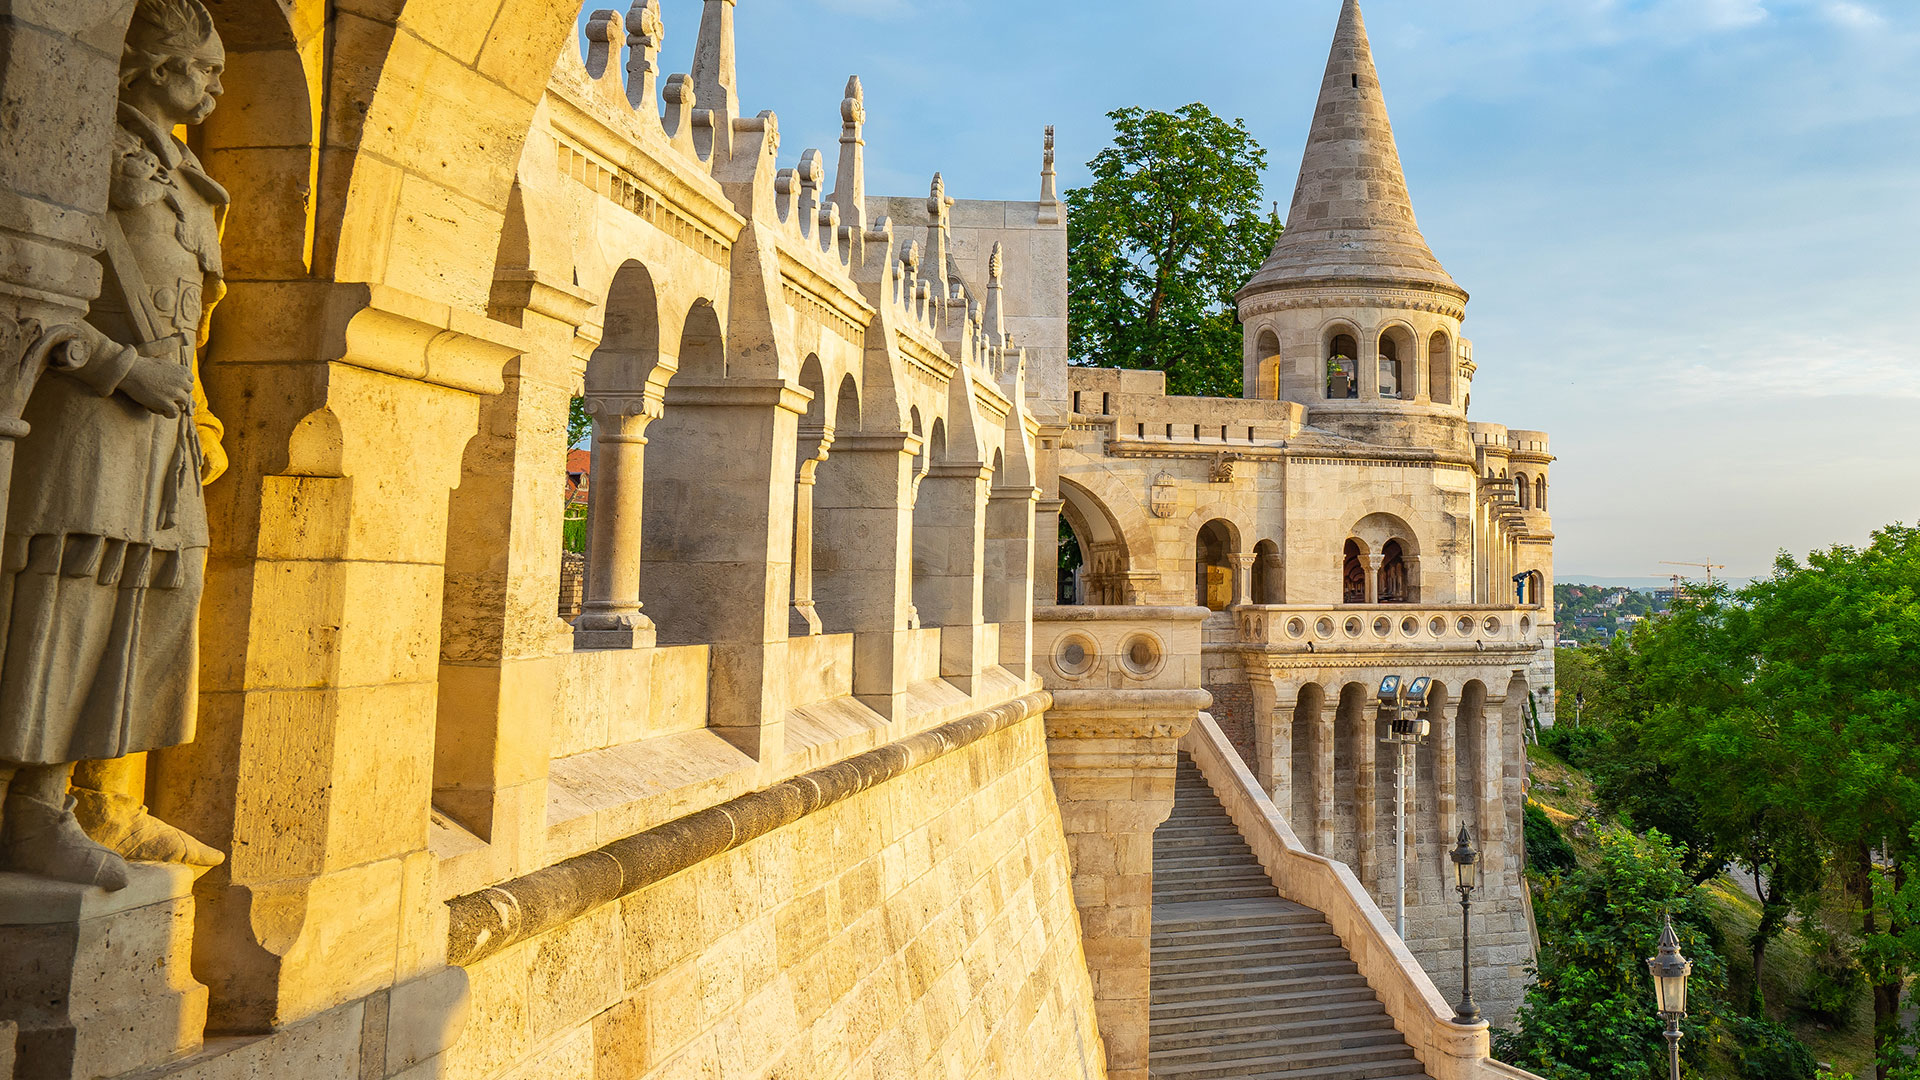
x=853, y=107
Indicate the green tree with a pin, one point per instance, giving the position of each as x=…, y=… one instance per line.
x=1589, y=1013
x=1718, y=737
x=1833, y=677
x=579, y=424
x=1170, y=228
x=1781, y=723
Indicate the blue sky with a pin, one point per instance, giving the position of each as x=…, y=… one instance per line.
x=1691, y=228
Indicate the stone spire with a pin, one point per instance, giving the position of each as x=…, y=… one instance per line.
x=1352, y=219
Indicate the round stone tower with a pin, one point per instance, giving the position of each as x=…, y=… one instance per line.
x=1352, y=315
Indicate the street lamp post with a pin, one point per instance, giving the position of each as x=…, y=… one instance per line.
x=1465, y=859
x=1396, y=701
x=1670, y=971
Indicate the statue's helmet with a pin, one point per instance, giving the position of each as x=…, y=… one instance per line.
x=167, y=29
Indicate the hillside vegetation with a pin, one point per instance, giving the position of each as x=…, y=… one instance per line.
x=1749, y=764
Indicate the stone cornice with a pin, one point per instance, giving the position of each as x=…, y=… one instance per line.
x=1349, y=294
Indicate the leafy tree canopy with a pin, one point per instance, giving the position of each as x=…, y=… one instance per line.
x=1170, y=228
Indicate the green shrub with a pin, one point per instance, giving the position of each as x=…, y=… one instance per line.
x=1833, y=987
x=1764, y=1050
x=1547, y=850
x=1580, y=747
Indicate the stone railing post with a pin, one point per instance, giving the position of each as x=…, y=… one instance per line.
x=313, y=761
x=1126, y=686
x=1113, y=754
x=805, y=620
x=1243, y=578
x=1010, y=573
x=500, y=639
x=865, y=571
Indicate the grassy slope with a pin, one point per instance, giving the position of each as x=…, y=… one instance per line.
x=1567, y=797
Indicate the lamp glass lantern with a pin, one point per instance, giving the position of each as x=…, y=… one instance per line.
x=1465, y=862
x=1670, y=971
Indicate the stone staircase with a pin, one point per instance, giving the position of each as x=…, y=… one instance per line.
x=1246, y=984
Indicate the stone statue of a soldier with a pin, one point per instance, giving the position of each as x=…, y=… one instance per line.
x=106, y=531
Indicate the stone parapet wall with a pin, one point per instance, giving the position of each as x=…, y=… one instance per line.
x=920, y=924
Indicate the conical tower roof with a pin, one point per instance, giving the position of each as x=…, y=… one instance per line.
x=1352, y=219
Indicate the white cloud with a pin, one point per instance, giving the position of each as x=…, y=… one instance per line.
x=1731, y=14
x=1853, y=16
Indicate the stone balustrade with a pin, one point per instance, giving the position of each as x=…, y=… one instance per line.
x=1369, y=627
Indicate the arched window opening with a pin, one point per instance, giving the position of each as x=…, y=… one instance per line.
x=1523, y=488
x=842, y=587
x=927, y=538
x=1440, y=368
x=1213, y=567
x=1353, y=575
x=1343, y=367
x=616, y=382
x=1266, y=355
x=1393, y=574
x=686, y=577
x=1267, y=587
x=1072, y=566
x=1540, y=491
x=1389, y=366
x=813, y=441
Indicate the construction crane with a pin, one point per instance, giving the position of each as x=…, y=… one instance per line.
x=1709, y=567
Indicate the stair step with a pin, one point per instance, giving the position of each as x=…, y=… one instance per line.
x=1244, y=984
x=1325, y=1041
x=1172, y=1030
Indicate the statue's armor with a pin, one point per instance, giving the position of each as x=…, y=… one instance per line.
x=106, y=532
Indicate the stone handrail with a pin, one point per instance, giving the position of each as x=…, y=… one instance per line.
x=1322, y=627
x=1449, y=1051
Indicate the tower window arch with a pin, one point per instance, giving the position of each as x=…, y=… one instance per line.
x=1440, y=368
x=1353, y=575
x=1523, y=487
x=1540, y=491
x=1393, y=574
x=1390, y=369
x=1343, y=367
x=1266, y=367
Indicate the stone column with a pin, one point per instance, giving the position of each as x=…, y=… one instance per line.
x=1272, y=735
x=312, y=763
x=1323, y=756
x=610, y=615
x=805, y=619
x=1373, y=564
x=1491, y=783
x=1445, y=767
x=950, y=548
x=1010, y=573
x=720, y=577
x=61, y=64
x=499, y=637
x=1366, y=805
x=1046, y=551
x=1243, y=577
x=865, y=568
x=1112, y=755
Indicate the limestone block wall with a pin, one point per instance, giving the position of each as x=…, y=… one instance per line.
x=923, y=927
